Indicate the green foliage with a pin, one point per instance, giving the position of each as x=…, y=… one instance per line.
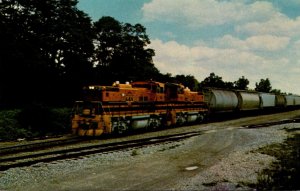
x=121, y=52
x=276, y=91
x=263, y=86
x=42, y=120
x=213, y=80
x=62, y=119
x=285, y=172
x=187, y=81
x=44, y=44
x=242, y=83
x=10, y=129
x=216, y=81
x=134, y=153
x=34, y=121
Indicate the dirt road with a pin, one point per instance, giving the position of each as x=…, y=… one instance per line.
x=222, y=157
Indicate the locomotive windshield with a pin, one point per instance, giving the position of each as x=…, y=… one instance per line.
x=87, y=108
x=92, y=93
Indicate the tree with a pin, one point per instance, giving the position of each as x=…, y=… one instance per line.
x=213, y=81
x=47, y=45
x=228, y=85
x=263, y=86
x=242, y=83
x=188, y=81
x=276, y=91
x=121, y=52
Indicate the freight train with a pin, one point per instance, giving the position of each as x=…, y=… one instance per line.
x=147, y=105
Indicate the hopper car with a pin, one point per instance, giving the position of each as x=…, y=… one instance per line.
x=120, y=108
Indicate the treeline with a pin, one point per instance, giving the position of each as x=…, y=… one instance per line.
x=50, y=49
x=213, y=80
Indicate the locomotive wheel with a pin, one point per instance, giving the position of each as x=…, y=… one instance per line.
x=154, y=123
x=201, y=118
x=180, y=119
x=120, y=128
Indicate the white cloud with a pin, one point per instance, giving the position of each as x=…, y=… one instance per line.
x=207, y=12
x=267, y=42
x=255, y=43
x=277, y=25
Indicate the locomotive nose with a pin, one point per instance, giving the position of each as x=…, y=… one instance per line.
x=89, y=128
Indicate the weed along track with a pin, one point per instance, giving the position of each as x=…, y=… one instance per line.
x=8, y=161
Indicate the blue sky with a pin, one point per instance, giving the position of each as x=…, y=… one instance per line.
x=232, y=38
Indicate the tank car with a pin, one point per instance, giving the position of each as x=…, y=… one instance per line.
x=289, y=100
x=292, y=100
x=248, y=100
x=297, y=100
x=221, y=100
x=138, y=105
x=280, y=101
x=267, y=100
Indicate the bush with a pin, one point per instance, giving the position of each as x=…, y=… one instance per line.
x=10, y=128
x=35, y=120
x=43, y=120
x=62, y=120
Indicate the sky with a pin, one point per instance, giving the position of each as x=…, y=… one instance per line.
x=257, y=39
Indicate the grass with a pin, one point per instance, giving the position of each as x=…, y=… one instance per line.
x=284, y=174
x=134, y=153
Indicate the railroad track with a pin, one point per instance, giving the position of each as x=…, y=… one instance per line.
x=73, y=153
x=39, y=146
x=293, y=120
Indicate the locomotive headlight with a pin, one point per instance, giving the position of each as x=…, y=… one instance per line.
x=88, y=122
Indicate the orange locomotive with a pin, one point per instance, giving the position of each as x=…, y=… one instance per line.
x=139, y=105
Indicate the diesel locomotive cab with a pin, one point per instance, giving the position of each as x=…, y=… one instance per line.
x=87, y=118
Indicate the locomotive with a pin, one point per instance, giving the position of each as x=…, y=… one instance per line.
x=138, y=105
x=147, y=105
